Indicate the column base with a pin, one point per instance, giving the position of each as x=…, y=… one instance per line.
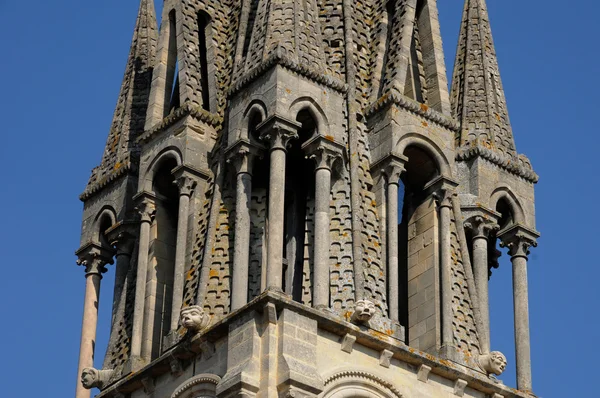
x=133, y=364
x=170, y=340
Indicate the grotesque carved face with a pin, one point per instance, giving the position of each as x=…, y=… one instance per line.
x=363, y=311
x=88, y=377
x=497, y=363
x=193, y=318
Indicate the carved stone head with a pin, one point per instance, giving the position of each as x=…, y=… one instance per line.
x=89, y=378
x=363, y=311
x=194, y=318
x=493, y=363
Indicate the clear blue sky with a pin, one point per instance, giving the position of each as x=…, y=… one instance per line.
x=61, y=69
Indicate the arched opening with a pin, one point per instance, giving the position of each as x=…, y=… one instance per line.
x=162, y=252
x=204, y=34
x=415, y=87
x=417, y=237
x=172, y=79
x=299, y=214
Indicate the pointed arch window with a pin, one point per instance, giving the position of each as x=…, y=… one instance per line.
x=172, y=78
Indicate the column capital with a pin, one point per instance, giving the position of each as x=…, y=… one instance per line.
x=146, y=206
x=481, y=226
x=242, y=155
x=518, y=239
x=324, y=151
x=392, y=166
x=443, y=190
x=122, y=237
x=94, y=258
x=278, y=132
x=186, y=185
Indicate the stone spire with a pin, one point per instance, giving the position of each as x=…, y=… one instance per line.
x=287, y=29
x=477, y=96
x=129, y=116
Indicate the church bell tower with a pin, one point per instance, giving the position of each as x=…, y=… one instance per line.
x=294, y=204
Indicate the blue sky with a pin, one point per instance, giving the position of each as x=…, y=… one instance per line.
x=62, y=64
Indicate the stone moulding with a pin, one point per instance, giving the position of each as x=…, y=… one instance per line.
x=186, y=109
x=289, y=64
x=359, y=376
x=194, y=381
x=95, y=187
x=506, y=162
x=415, y=107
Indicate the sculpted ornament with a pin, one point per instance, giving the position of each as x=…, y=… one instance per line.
x=493, y=363
x=363, y=311
x=194, y=318
x=94, y=378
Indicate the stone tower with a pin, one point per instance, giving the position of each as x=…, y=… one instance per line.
x=297, y=206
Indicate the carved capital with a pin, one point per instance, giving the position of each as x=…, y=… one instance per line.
x=392, y=167
x=443, y=190
x=481, y=227
x=325, y=152
x=242, y=155
x=186, y=185
x=94, y=378
x=94, y=258
x=277, y=132
x=146, y=208
x=122, y=238
x=518, y=239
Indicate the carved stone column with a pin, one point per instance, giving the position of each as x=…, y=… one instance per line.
x=123, y=241
x=186, y=185
x=519, y=239
x=147, y=210
x=94, y=258
x=242, y=156
x=392, y=168
x=443, y=191
x=325, y=153
x=480, y=228
x=278, y=133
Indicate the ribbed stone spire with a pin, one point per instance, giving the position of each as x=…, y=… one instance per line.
x=477, y=96
x=288, y=29
x=129, y=116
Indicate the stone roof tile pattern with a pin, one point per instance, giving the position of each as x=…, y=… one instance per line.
x=477, y=96
x=130, y=113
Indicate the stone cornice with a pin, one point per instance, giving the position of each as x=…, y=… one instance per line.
x=92, y=189
x=191, y=346
x=503, y=161
x=212, y=119
x=415, y=107
x=291, y=65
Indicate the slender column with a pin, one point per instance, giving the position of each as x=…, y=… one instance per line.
x=147, y=211
x=480, y=228
x=94, y=261
x=324, y=154
x=278, y=139
x=123, y=242
x=393, y=172
x=445, y=206
x=242, y=160
x=186, y=189
x=518, y=246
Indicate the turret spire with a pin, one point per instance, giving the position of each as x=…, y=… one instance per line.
x=477, y=96
x=129, y=116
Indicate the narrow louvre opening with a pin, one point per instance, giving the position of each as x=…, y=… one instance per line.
x=203, y=26
x=387, y=25
x=172, y=78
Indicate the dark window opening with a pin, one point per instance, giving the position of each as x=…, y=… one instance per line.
x=203, y=35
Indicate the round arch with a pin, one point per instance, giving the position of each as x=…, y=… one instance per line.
x=359, y=384
x=310, y=105
x=106, y=216
x=427, y=145
x=166, y=154
x=202, y=385
x=256, y=109
x=506, y=194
